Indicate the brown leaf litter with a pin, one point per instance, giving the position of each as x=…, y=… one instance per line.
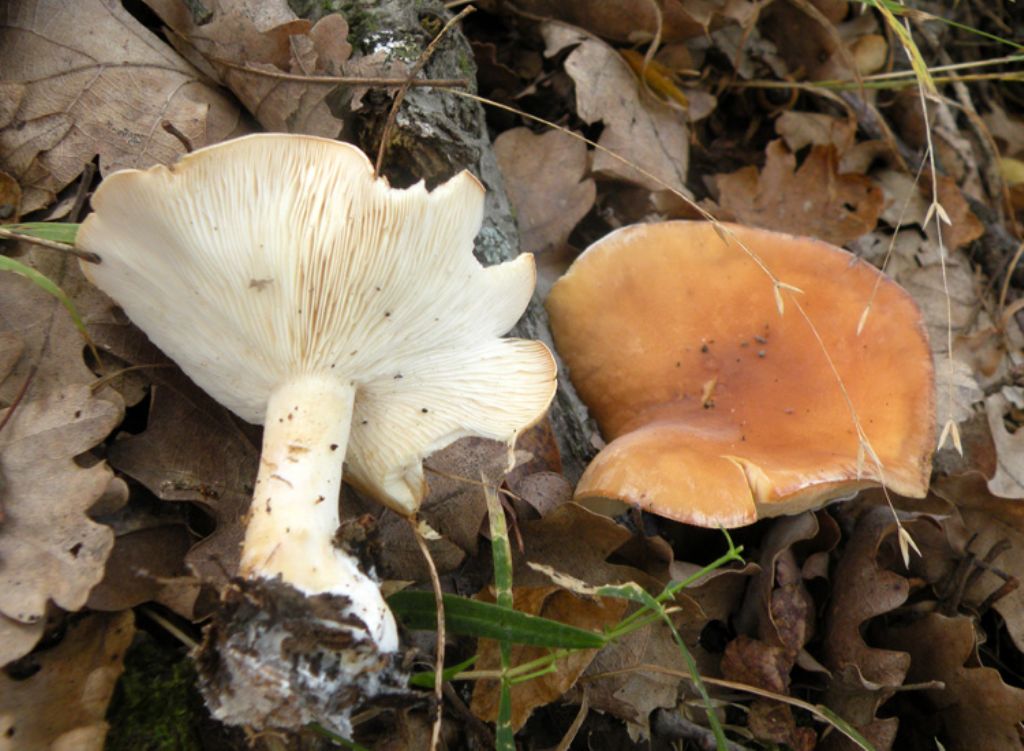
x=92, y=81
x=49, y=548
x=61, y=704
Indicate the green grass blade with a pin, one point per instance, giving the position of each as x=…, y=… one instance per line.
x=426, y=678
x=58, y=232
x=44, y=283
x=417, y=610
x=844, y=727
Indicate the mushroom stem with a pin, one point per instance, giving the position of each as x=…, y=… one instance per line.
x=294, y=514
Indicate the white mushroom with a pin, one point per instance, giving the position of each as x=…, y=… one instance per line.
x=349, y=318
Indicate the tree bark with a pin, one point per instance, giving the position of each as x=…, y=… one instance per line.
x=436, y=135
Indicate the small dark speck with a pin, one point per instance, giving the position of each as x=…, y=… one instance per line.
x=78, y=413
x=353, y=353
x=760, y=340
x=678, y=363
x=761, y=353
x=332, y=366
x=75, y=549
x=289, y=415
x=704, y=348
x=737, y=359
x=287, y=530
x=743, y=438
x=319, y=499
x=424, y=410
x=436, y=320
x=376, y=289
x=398, y=376
x=387, y=313
x=334, y=447
x=364, y=422
x=280, y=419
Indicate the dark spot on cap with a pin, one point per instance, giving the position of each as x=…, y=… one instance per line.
x=334, y=447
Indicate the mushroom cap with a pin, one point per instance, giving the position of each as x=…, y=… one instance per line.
x=270, y=256
x=720, y=411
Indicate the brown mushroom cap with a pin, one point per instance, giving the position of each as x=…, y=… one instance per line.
x=720, y=411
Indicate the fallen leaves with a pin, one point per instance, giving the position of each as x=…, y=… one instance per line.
x=639, y=129
x=812, y=199
x=544, y=176
x=61, y=706
x=87, y=80
x=973, y=700
x=269, y=37
x=49, y=548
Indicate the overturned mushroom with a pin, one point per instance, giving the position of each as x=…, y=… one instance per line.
x=718, y=410
x=353, y=321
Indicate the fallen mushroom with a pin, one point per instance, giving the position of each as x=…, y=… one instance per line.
x=718, y=410
x=353, y=321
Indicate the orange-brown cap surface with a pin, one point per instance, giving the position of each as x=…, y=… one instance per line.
x=717, y=409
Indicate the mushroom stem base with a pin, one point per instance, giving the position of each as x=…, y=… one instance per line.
x=275, y=657
x=294, y=515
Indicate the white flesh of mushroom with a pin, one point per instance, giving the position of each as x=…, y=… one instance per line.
x=351, y=319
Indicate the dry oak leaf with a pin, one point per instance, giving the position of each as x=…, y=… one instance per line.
x=975, y=704
x=269, y=36
x=813, y=200
x=193, y=449
x=864, y=676
x=544, y=176
x=49, y=548
x=53, y=348
x=61, y=707
x=637, y=127
x=87, y=79
x=556, y=604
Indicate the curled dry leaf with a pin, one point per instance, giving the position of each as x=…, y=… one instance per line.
x=559, y=605
x=89, y=80
x=544, y=176
x=61, y=706
x=268, y=36
x=975, y=699
x=813, y=200
x=637, y=127
x=49, y=548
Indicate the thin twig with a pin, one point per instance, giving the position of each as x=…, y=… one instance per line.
x=85, y=255
x=82, y=192
x=413, y=72
x=438, y=83
x=18, y=397
x=435, y=735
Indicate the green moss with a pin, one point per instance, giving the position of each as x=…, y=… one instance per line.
x=156, y=706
